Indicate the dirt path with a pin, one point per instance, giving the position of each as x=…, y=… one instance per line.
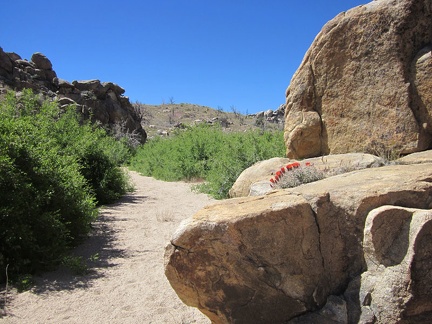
x=126, y=283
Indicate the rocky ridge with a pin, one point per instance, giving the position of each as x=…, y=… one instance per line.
x=102, y=101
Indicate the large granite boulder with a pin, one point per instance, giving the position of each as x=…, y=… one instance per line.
x=277, y=257
x=102, y=101
x=364, y=84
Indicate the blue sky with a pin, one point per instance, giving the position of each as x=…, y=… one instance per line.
x=219, y=53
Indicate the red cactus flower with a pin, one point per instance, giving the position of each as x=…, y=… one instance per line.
x=295, y=165
x=283, y=169
x=272, y=180
x=308, y=164
x=279, y=173
x=289, y=167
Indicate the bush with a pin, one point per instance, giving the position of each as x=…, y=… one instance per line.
x=98, y=155
x=207, y=153
x=186, y=155
x=49, y=186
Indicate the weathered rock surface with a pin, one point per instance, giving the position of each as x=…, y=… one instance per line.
x=255, y=180
x=102, y=101
x=397, y=286
x=333, y=312
x=364, y=83
x=273, y=258
x=260, y=171
x=414, y=158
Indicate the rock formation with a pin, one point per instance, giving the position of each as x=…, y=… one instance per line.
x=397, y=248
x=364, y=84
x=354, y=247
x=297, y=254
x=272, y=116
x=102, y=101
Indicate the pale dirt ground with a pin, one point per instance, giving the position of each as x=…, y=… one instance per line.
x=127, y=283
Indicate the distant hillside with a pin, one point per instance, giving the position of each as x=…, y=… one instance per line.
x=162, y=119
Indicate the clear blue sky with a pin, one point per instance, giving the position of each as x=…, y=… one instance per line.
x=218, y=53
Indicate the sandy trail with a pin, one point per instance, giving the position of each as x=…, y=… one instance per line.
x=126, y=284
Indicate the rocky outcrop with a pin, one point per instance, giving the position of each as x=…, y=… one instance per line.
x=397, y=286
x=17, y=74
x=272, y=116
x=364, y=83
x=102, y=101
x=255, y=180
x=278, y=257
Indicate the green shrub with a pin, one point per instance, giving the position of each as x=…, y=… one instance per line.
x=240, y=151
x=208, y=153
x=98, y=155
x=186, y=155
x=52, y=172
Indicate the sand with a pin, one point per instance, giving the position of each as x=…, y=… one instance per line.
x=126, y=281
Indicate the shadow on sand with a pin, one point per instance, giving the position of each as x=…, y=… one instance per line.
x=97, y=253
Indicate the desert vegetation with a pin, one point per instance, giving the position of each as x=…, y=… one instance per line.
x=55, y=169
x=207, y=154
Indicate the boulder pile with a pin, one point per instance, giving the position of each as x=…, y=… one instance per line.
x=359, y=243
x=102, y=101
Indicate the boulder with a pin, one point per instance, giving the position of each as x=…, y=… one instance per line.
x=260, y=171
x=272, y=258
x=268, y=113
x=364, y=82
x=87, y=85
x=224, y=261
x=14, y=56
x=342, y=163
x=6, y=65
x=397, y=286
x=259, y=114
x=24, y=64
x=41, y=61
x=64, y=87
x=415, y=158
x=422, y=83
x=114, y=87
x=255, y=180
x=65, y=101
